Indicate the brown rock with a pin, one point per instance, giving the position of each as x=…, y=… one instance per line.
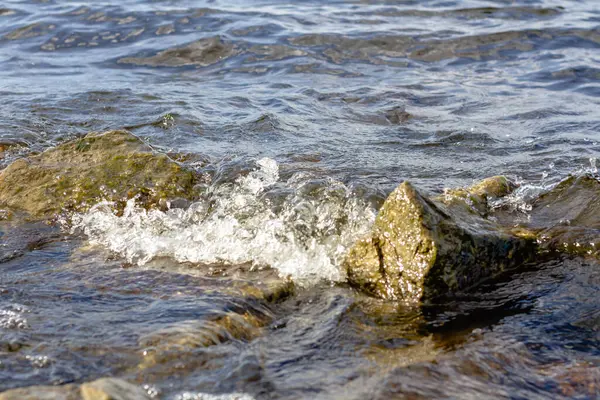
x=114, y=166
x=420, y=249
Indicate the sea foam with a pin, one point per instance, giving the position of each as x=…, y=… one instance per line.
x=304, y=234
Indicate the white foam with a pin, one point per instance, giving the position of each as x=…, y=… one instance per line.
x=305, y=237
x=521, y=199
x=12, y=317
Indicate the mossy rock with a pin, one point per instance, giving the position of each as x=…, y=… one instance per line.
x=476, y=196
x=420, y=249
x=112, y=166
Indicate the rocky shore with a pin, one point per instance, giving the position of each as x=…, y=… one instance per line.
x=421, y=248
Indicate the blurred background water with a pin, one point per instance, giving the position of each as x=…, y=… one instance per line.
x=330, y=104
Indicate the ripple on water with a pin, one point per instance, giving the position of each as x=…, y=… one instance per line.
x=350, y=97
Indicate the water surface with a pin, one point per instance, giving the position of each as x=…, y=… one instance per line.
x=302, y=117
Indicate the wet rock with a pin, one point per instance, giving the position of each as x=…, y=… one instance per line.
x=420, y=249
x=573, y=202
x=8, y=145
x=19, y=237
x=567, y=218
x=193, y=334
x=6, y=12
x=113, y=166
x=167, y=347
x=176, y=342
x=476, y=196
x=65, y=392
x=271, y=290
x=29, y=31
x=112, y=389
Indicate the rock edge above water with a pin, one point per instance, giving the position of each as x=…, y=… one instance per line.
x=421, y=248
x=113, y=166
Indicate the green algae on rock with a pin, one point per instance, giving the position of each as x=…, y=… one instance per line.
x=477, y=195
x=113, y=166
x=420, y=249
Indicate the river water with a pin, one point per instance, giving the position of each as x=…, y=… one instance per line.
x=302, y=117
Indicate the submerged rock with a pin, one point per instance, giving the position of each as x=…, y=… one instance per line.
x=113, y=166
x=201, y=53
x=420, y=249
x=176, y=342
x=101, y=389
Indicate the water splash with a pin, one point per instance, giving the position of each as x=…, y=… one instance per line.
x=521, y=200
x=302, y=227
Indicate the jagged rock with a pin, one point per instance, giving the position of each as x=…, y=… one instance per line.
x=420, y=249
x=113, y=166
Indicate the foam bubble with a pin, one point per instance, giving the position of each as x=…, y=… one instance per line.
x=303, y=235
x=12, y=317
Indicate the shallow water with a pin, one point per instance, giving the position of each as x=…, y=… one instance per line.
x=302, y=117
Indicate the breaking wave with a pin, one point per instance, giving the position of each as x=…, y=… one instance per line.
x=302, y=226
